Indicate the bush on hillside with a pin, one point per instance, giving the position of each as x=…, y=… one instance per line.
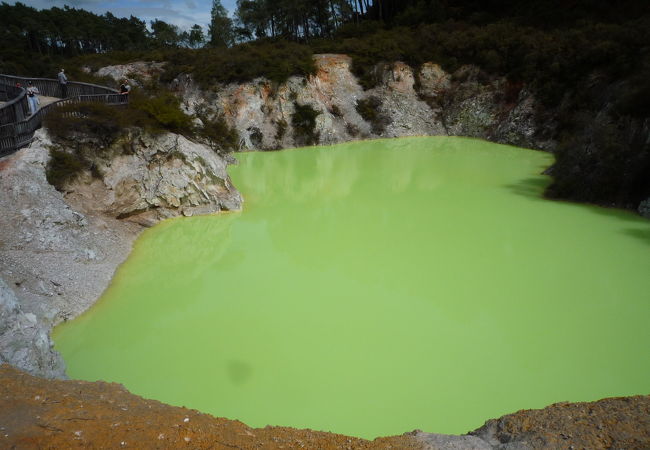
x=220, y=137
x=77, y=124
x=601, y=160
x=304, y=124
x=62, y=168
x=158, y=111
x=275, y=60
x=369, y=110
x=155, y=112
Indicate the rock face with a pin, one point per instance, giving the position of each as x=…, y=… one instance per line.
x=137, y=73
x=622, y=422
x=404, y=103
x=160, y=177
x=59, y=252
x=24, y=341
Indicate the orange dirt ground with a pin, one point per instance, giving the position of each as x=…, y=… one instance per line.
x=53, y=414
x=39, y=413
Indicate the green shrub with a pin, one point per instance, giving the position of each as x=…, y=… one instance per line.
x=63, y=168
x=369, y=110
x=158, y=111
x=601, y=160
x=102, y=124
x=275, y=60
x=281, y=129
x=635, y=101
x=77, y=122
x=304, y=123
x=219, y=136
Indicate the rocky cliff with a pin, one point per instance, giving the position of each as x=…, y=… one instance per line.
x=599, y=133
x=404, y=103
x=157, y=177
x=59, y=250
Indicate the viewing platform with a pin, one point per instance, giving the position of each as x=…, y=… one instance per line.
x=17, y=125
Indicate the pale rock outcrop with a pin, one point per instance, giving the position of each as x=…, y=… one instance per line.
x=162, y=176
x=259, y=110
x=427, y=102
x=24, y=340
x=406, y=113
x=137, y=73
x=56, y=259
x=58, y=252
x=434, y=81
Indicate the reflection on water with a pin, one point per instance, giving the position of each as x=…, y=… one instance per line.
x=421, y=275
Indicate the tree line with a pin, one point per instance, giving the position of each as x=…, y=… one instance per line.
x=70, y=31
x=304, y=20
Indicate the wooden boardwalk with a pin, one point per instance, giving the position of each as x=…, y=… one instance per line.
x=17, y=126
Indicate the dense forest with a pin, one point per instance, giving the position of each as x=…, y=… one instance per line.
x=584, y=59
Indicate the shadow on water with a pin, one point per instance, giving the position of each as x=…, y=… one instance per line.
x=533, y=189
x=638, y=233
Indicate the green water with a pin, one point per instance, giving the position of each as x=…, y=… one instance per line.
x=377, y=287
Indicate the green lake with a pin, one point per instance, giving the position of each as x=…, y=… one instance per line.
x=377, y=287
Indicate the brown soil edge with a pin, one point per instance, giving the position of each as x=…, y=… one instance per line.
x=40, y=413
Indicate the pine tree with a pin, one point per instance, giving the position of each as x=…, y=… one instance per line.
x=221, y=28
x=195, y=37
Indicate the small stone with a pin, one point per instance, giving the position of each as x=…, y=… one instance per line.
x=161, y=436
x=187, y=439
x=187, y=419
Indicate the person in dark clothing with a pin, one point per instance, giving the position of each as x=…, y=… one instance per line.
x=63, y=83
x=125, y=88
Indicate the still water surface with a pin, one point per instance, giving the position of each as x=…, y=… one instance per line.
x=373, y=288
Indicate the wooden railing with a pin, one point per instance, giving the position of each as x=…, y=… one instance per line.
x=17, y=127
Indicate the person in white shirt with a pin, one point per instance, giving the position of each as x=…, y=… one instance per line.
x=32, y=97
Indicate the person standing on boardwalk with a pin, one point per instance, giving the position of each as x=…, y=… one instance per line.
x=63, y=83
x=125, y=88
x=32, y=97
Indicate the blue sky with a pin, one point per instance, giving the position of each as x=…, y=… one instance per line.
x=183, y=13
